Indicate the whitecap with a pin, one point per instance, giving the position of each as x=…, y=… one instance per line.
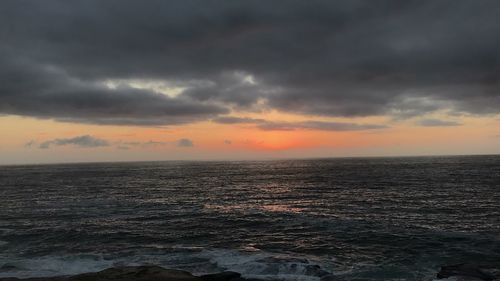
x=265, y=265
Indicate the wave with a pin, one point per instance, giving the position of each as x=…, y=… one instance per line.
x=52, y=266
x=250, y=262
x=269, y=266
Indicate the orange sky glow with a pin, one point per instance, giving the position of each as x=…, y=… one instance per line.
x=211, y=141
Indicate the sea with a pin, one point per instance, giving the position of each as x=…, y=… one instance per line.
x=298, y=220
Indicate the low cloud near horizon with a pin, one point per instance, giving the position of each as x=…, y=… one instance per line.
x=80, y=141
x=304, y=125
x=88, y=141
x=185, y=143
x=438, y=123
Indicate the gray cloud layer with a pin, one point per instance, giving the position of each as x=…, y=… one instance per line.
x=81, y=141
x=438, y=123
x=305, y=125
x=185, y=143
x=318, y=125
x=92, y=142
x=335, y=58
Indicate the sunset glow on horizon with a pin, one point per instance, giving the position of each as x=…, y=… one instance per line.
x=240, y=81
x=24, y=142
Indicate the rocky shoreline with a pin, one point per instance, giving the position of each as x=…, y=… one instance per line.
x=479, y=271
x=476, y=271
x=138, y=273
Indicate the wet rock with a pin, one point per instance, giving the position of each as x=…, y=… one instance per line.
x=316, y=270
x=57, y=278
x=247, y=279
x=129, y=273
x=482, y=271
x=329, y=277
x=283, y=259
x=292, y=265
x=223, y=276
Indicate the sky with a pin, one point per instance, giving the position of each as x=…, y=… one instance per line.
x=120, y=80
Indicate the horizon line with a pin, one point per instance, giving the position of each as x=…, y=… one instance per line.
x=247, y=160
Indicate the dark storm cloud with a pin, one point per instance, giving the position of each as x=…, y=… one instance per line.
x=335, y=58
x=81, y=141
x=305, y=125
x=49, y=92
x=437, y=123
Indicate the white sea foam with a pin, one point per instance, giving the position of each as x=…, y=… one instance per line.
x=75, y=264
x=264, y=265
x=53, y=266
x=251, y=264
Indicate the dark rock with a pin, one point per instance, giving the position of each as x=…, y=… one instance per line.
x=129, y=273
x=247, y=279
x=283, y=259
x=223, y=276
x=483, y=271
x=329, y=277
x=316, y=270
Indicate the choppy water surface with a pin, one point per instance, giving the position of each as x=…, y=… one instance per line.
x=338, y=219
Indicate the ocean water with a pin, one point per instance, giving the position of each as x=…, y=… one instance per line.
x=311, y=220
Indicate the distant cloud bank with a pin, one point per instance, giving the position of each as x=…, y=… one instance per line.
x=81, y=141
x=438, y=123
x=87, y=141
x=185, y=143
x=305, y=125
